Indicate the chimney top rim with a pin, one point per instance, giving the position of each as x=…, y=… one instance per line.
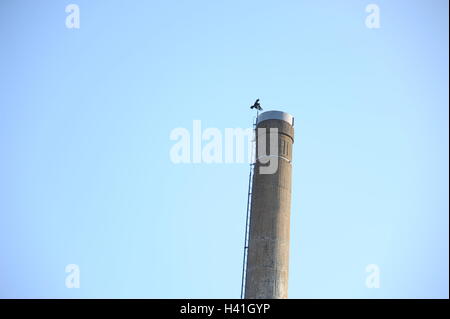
x=275, y=115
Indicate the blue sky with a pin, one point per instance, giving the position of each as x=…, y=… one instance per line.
x=85, y=119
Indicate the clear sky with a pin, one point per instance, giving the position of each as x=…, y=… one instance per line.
x=85, y=120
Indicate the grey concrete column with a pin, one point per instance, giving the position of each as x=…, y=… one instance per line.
x=268, y=248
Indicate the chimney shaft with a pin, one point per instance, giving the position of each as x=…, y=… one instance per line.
x=268, y=246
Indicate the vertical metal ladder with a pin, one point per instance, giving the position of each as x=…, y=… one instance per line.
x=249, y=200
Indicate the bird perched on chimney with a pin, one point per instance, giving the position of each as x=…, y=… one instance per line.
x=256, y=105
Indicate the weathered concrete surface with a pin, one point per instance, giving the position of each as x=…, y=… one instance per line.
x=268, y=252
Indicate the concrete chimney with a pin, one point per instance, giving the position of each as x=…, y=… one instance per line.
x=268, y=244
